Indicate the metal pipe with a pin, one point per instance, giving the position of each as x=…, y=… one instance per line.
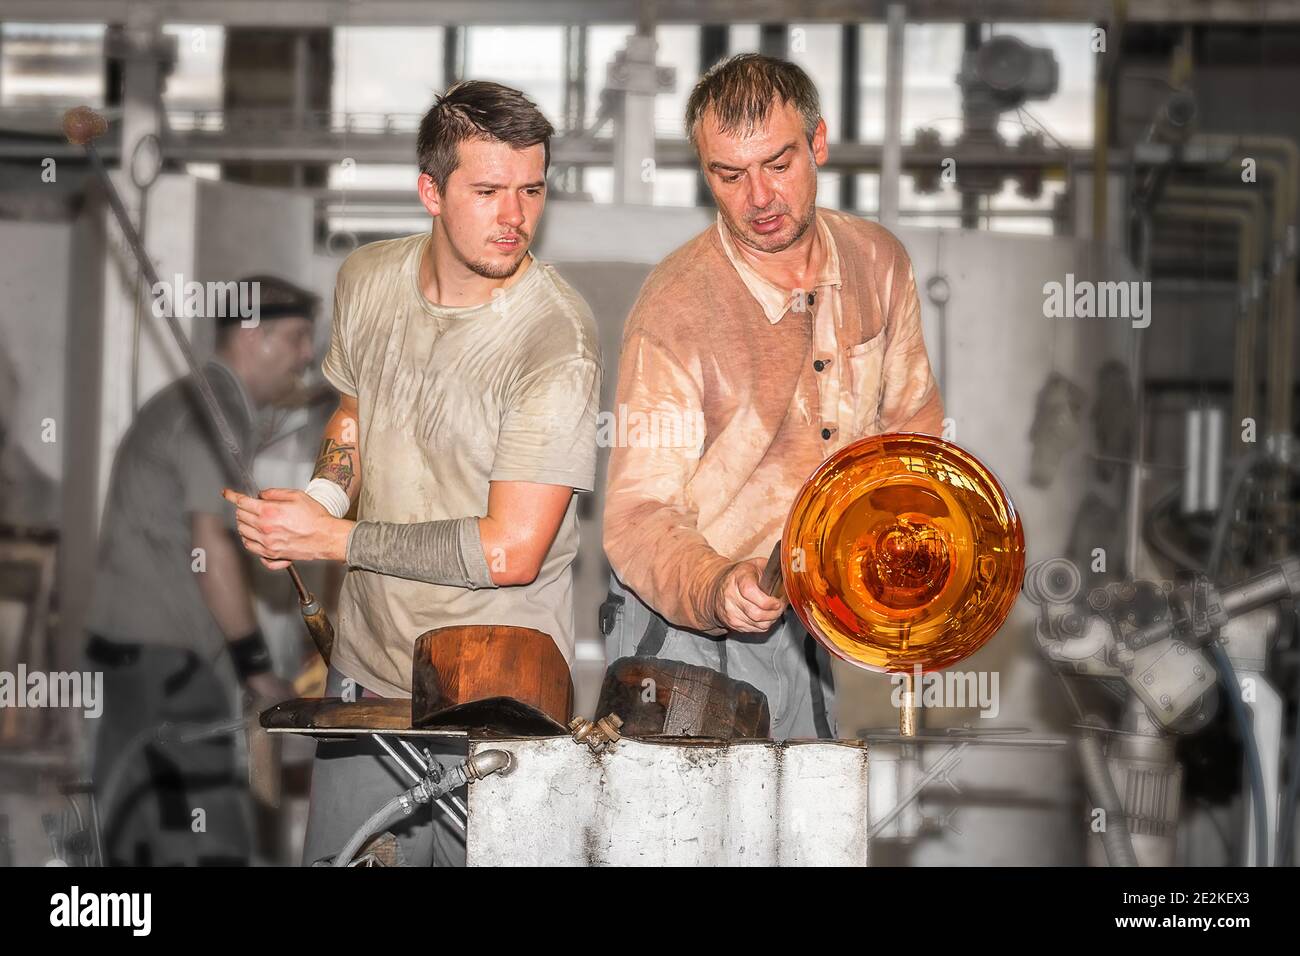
x=395, y=809
x=461, y=820
x=1247, y=333
x=379, y=739
x=489, y=762
x=1246, y=254
x=1281, y=338
x=1278, y=583
x=1115, y=837
x=388, y=748
x=1107, y=70
x=425, y=790
x=907, y=710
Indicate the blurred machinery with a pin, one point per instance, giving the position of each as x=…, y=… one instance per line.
x=1205, y=211
x=997, y=76
x=1166, y=654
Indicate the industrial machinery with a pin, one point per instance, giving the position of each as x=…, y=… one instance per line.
x=1166, y=651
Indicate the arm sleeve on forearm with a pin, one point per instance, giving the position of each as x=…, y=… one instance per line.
x=437, y=552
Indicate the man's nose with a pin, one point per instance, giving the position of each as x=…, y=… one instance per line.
x=511, y=211
x=760, y=191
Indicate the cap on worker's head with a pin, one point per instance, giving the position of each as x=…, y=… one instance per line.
x=275, y=298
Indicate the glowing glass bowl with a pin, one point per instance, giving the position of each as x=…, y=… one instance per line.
x=902, y=550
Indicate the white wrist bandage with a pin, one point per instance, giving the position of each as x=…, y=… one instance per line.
x=332, y=498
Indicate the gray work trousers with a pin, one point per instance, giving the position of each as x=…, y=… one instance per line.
x=351, y=779
x=167, y=802
x=785, y=663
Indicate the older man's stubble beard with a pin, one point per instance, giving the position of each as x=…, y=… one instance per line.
x=774, y=244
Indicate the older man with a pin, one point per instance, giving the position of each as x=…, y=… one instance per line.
x=789, y=331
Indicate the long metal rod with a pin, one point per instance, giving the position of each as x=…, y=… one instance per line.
x=388, y=748
x=182, y=341
x=907, y=709
x=183, y=344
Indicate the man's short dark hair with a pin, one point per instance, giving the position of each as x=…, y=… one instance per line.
x=478, y=109
x=739, y=91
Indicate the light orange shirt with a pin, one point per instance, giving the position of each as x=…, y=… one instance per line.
x=721, y=362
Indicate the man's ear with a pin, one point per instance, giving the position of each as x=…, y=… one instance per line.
x=819, y=150
x=430, y=196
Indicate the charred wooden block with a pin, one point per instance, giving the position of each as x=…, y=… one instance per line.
x=509, y=679
x=685, y=700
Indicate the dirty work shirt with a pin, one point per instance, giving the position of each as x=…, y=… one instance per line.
x=767, y=384
x=451, y=399
x=709, y=340
x=170, y=465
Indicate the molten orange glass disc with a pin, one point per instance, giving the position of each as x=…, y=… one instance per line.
x=901, y=550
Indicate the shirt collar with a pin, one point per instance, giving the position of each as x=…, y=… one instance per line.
x=774, y=300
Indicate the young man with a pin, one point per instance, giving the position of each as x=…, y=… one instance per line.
x=166, y=628
x=469, y=376
x=791, y=331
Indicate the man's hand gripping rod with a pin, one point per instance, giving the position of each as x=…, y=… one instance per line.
x=82, y=126
x=772, y=582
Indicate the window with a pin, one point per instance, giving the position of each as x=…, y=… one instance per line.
x=195, y=82
x=51, y=65
x=530, y=59
x=386, y=69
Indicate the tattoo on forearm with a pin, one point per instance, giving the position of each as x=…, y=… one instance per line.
x=337, y=462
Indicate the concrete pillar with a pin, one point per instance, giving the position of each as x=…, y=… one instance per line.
x=850, y=58
x=453, y=55
x=891, y=156
x=635, y=79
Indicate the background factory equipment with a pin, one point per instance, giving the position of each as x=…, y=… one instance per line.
x=1099, y=200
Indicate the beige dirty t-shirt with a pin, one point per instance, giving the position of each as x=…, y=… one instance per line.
x=451, y=399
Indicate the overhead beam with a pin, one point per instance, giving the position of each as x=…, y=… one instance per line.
x=320, y=13
x=397, y=148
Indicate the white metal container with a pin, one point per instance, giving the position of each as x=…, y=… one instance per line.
x=673, y=803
